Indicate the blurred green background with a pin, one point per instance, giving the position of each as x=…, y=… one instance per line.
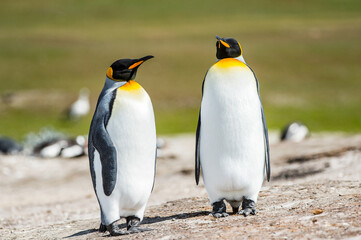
x=306, y=54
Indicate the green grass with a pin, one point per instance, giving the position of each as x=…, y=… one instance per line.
x=306, y=55
x=20, y=121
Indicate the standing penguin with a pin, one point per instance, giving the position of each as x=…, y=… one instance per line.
x=122, y=148
x=232, y=137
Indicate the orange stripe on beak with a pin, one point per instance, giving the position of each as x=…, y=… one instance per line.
x=135, y=65
x=225, y=44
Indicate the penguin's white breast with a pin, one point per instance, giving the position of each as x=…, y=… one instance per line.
x=132, y=130
x=231, y=138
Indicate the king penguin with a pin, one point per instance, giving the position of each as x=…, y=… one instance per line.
x=232, y=138
x=122, y=148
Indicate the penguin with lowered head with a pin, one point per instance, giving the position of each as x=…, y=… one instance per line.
x=232, y=138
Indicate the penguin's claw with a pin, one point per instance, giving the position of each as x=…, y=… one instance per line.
x=115, y=231
x=118, y=232
x=138, y=230
x=219, y=209
x=247, y=211
x=102, y=228
x=248, y=207
x=219, y=215
x=133, y=223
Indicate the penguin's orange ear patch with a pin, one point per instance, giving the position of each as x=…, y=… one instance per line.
x=135, y=65
x=225, y=44
x=110, y=73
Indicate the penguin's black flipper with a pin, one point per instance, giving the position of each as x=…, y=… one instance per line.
x=108, y=158
x=267, y=159
x=99, y=140
x=155, y=166
x=198, y=157
x=265, y=130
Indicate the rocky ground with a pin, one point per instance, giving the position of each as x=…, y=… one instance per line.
x=314, y=193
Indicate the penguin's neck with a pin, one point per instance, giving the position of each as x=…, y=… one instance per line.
x=240, y=58
x=110, y=85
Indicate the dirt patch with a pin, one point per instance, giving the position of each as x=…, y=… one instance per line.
x=317, y=198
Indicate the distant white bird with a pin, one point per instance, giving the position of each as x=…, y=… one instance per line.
x=81, y=106
x=295, y=132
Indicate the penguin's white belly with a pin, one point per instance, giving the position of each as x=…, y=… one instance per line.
x=231, y=139
x=132, y=130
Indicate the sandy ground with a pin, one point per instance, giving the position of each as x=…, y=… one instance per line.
x=314, y=192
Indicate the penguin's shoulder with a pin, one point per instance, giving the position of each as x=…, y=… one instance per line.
x=105, y=102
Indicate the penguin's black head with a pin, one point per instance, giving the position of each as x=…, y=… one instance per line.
x=228, y=48
x=125, y=69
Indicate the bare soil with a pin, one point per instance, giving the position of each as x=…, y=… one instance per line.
x=314, y=193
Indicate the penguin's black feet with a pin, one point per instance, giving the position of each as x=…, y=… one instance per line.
x=102, y=228
x=114, y=230
x=133, y=225
x=248, y=207
x=219, y=209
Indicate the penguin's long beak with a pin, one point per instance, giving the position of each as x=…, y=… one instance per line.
x=140, y=61
x=221, y=41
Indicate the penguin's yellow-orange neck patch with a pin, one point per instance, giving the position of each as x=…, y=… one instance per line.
x=130, y=86
x=230, y=62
